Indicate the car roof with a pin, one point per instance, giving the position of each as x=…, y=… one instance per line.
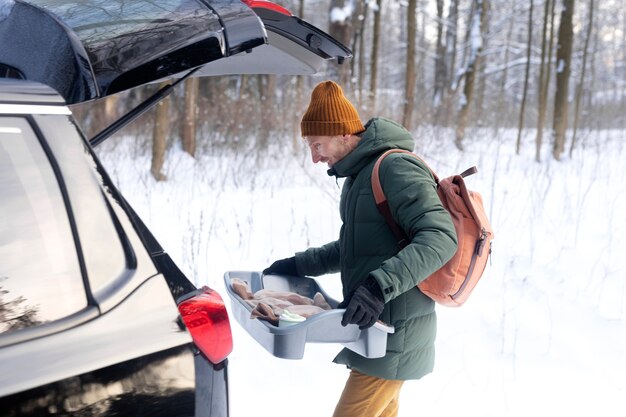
x=86, y=49
x=27, y=92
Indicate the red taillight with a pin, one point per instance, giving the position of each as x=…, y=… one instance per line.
x=264, y=4
x=206, y=318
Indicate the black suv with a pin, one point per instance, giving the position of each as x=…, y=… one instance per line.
x=95, y=317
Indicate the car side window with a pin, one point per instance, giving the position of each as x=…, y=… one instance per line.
x=40, y=277
x=100, y=242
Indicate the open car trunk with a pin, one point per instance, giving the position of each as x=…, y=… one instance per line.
x=89, y=49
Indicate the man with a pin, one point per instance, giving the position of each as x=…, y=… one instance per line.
x=379, y=280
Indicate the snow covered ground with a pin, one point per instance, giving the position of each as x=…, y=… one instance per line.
x=544, y=334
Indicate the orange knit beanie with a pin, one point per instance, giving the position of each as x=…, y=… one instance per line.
x=330, y=113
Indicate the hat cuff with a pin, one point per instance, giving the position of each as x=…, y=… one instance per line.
x=346, y=127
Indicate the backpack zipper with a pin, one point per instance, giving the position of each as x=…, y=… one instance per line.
x=478, y=251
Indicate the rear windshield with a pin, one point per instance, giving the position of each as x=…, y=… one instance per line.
x=104, y=24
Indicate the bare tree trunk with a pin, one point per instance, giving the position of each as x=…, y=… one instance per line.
x=589, y=101
x=475, y=35
x=581, y=81
x=110, y=108
x=342, y=31
x=563, y=63
x=481, y=63
x=440, y=61
x=96, y=115
x=266, y=86
x=409, y=98
x=374, y=56
x=361, y=79
x=523, y=106
x=358, y=62
x=159, y=137
x=623, y=81
x=544, y=74
x=423, y=55
x=503, y=105
x=190, y=109
x=451, y=44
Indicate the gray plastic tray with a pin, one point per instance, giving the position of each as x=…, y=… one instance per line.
x=289, y=342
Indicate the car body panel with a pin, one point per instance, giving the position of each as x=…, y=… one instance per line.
x=90, y=49
x=302, y=33
x=127, y=351
x=29, y=94
x=146, y=322
x=293, y=59
x=294, y=47
x=151, y=385
x=93, y=48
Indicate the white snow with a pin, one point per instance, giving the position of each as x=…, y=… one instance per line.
x=476, y=39
x=544, y=334
x=373, y=5
x=341, y=14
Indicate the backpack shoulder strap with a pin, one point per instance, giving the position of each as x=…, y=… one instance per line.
x=377, y=188
x=381, y=199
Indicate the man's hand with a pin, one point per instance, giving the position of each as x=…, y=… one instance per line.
x=285, y=266
x=365, y=305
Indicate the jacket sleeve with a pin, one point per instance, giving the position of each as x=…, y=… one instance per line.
x=319, y=261
x=411, y=192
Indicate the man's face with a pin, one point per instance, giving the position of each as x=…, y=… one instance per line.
x=328, y=149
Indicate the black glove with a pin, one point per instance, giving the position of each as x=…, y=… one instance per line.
x=365, y=305
x=285, y=266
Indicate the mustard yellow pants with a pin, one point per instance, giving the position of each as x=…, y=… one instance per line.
x=368, y=396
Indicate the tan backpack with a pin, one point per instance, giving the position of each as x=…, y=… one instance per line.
x=452, y=284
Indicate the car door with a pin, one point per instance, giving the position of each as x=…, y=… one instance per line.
x=88, y=325
x=294, y=47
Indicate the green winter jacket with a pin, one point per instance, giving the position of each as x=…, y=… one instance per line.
x=366, y=246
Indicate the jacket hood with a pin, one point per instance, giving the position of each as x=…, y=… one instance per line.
x=380, y=135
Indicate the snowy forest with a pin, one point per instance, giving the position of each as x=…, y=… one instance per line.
x=556, y=67
x=533, y=92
